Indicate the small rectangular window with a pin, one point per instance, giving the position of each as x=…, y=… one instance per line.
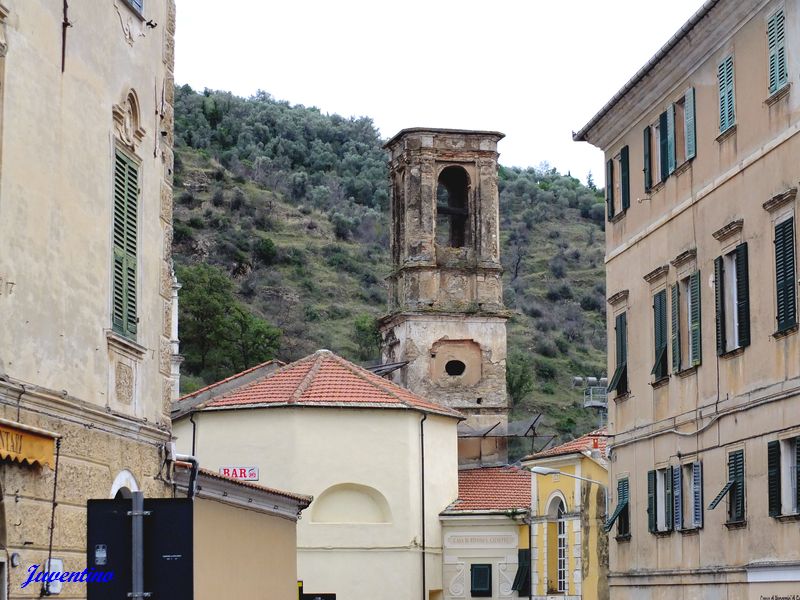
x=660, y=499
x=785, y=284
x=685, y=323
x=621, y=516
x=659, y=370
x=619, y=380
x=691, y=511
x=481, y=580
x=734, y=488
x=725, y=84
x=776, y=45
x=783, y=463
x=732, y=298
x=125, y=233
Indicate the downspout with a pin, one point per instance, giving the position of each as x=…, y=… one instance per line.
x=422, y=494
x=530, y=550
x=194, y=432
x=193, y=475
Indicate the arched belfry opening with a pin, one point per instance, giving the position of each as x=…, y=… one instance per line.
x=452, y=207
x=446, y=322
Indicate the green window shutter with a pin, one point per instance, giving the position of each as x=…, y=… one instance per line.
x=660, y=334
x=697, y=493
x=622, y=502
x=785, y=275
x=781, y=49
x=689, y=127
x=723, y=98
x=663, y=146
x=736, y=475
x=125, y=234
x=619, y=379
x=694, y=316
x=776, y=44
x=671, y=139
x=610, y=188
x=727, y=114
x=719, y=300
x=676, y=328
x=668, y=499
x=774, y=478
x=743, y=294
x=625, y=178
x=677, y=497
x=652, y=508
x=715, y=502
x=522, y=580
x=646, y=143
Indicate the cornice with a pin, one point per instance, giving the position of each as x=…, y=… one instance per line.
x=657, y=274
x=619, y=297
x=684, y=258
x=729, y=230
x=779, y=200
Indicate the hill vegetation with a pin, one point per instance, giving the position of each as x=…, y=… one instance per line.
x=281, y=244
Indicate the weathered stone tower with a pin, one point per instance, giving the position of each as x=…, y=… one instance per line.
x=446, y=317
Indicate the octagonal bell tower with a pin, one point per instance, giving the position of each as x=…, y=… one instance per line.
x=446, y=317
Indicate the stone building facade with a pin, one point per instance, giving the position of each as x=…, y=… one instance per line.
x=704, y=353
x=446, y=317
x=86, y=378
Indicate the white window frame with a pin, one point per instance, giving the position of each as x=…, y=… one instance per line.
x=789, y=476
x=731, y=301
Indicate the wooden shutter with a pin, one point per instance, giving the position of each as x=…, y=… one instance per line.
x=619, y=379
x=743, y=295
x=668, y=499
x=677, y=497
x=663, y=146
x=676, y=327
x=610, y=188
x=660, y=334
x=671, y=139
x=727, y=116
x=125, y=234
x=776, y=44
x=719, y=300
x=646, y=143
x=774, y=478
x=652, y=515
x=736, y=475
x=689, y=127
x=784, y=275
x=697, y=493
x=696, y=347
x=625, y=178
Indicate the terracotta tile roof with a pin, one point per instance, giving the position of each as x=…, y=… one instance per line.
x=594, y=440
x=492, y=488
x=324, y=379
x=304, y=500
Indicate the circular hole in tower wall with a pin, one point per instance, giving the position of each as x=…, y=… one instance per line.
x=455, y=368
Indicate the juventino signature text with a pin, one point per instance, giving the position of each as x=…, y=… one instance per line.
x=66, y=576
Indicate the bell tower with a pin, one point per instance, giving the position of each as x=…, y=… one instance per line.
x=446, y=317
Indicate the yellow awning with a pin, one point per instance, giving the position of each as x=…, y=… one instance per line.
x=23, y=443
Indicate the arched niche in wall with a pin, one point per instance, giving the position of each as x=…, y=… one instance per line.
x=351, y=503
x=452, y=207
x=124, y=484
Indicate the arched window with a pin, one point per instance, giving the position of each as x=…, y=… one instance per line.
x=452, y=207
x=557, y=559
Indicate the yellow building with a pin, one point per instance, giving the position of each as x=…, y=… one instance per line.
x=569, y=545
x=702, y=173
x=381, y=463
x=86, y=379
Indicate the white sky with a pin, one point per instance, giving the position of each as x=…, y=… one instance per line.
x=534, y=70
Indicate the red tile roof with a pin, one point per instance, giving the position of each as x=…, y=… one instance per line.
x=216, y=384
x=304, y=500
x=324, y=379
x=594, y=440
x=492, y=488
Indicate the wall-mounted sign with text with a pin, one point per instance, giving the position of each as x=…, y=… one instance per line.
x=243, y=473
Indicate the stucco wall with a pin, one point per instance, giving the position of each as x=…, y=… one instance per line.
x=240, y=553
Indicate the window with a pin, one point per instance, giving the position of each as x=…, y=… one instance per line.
x=689, y=501
x=734, y=488
x=481, y=581
x=660, y=503
x=783, y=474
x=619, y=381
x=452, y=207
x=659, y=370
x=685, y=334
x=621, y=515
x=727, y=113
x=670, y=141
x=561, y=583
x=675, y=498
x=786, y=313
x=776, y=44
x=618, y=183
x=126, y=196
x=732, y=299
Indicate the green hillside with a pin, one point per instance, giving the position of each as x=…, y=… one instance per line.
x=288, y=206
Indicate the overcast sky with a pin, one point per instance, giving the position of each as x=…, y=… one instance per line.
x=534, y=70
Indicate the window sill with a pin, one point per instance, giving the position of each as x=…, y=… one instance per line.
x=124, y=345
x=685, y=166
x=665, y=533
x=778, y=94
x=660, y=382
x=784, y=332
x=733, y=353
x=690, y=531
x=623, y=538
x=729, y=132
x=655, y=188
x=687, y=371
x=129, y=5
x=617, y=217
x=736, y=524
x=788, y=518
x=622, y=397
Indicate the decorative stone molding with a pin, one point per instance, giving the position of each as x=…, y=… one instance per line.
x=618, y=298
x=728, y=231
x=125, y=346
x=729, y=132
x=779, y=200
x=657, y=274
x=778, y=94
x=684, y=258
x=123, y=383
x=127, y=120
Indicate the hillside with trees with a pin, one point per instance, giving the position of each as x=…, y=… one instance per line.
x=281, y=245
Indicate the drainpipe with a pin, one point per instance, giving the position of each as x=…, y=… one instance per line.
x=422, y=503
x=530, y=551
x=193, y=475
x=194, y=433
